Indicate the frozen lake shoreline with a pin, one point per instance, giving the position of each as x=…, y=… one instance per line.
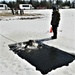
x=22, y=30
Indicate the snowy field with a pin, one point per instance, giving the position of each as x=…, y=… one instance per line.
x=14, y=30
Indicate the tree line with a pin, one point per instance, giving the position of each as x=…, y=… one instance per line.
x=42, y=4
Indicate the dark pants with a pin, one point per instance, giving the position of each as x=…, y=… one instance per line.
x=54, y=28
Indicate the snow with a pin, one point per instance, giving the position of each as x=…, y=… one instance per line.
x=12, y=31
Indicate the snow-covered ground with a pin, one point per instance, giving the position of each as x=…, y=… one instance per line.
x=15, y=30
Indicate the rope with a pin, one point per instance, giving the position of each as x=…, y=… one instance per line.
x=8, y=38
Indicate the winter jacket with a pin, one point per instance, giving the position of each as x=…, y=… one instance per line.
x=55, y=18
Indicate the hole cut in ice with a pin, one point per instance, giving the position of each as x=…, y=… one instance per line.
x=45, y=58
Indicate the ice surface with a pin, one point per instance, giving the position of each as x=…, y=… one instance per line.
x=22, y=30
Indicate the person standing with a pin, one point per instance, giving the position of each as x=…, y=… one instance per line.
x=21, y=11
x=12, y=9
x=55, y=22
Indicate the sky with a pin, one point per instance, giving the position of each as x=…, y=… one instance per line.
x=39, y=0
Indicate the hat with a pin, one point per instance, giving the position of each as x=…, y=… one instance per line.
x=54, y=8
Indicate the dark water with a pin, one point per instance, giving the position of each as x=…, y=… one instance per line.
x=46, y=58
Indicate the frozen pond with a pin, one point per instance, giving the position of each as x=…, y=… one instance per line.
x=12, y=31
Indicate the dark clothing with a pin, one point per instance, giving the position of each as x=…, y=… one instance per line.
x=12, y=11
x=16, y=11
x=55, y=18
x=21, y=12
x=55, y=22
x=54, y=28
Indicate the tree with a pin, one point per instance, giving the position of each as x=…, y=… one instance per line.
x=11, y=4
x=67, y=3
x=43, y=2
x=4, y=2
x=59, y=3
x=31, y=1
x=73, y=4
x=18, y=1
x=36, y=4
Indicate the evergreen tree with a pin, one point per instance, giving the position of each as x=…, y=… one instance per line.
x=36, y=4
x=30, y=2
x=59, y=3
